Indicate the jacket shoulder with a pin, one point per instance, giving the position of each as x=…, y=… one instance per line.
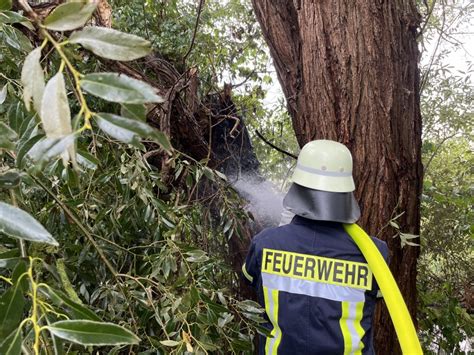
x=382, y=247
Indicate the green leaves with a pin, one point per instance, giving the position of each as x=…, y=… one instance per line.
x=12, y=344
x=69, y=16
x=250, y=306
x=123, y=129
x=5, y=4
x=32, y=78
x=86, y=332
x=9, y=179
x=19, y=224
x=137, y=112
x=74, y=309
x=119, y=88
x=11, y=17
x=55, y=114
x=12, y=303
x=111, y=44
x=7, y=136
x=126, y=130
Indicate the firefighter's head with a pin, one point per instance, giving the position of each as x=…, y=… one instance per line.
x=323, y=186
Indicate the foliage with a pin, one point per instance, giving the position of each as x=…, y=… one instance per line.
x=140, y=252
x=445, y=272
x=445, y=265
x=227, y=48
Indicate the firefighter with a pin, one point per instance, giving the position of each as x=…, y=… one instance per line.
x=317, y=289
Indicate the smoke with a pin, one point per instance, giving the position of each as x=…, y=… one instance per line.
x=265, y=201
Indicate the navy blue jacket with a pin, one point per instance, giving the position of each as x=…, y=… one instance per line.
x=317, y=289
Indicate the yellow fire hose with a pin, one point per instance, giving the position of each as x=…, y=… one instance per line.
x=396, y=305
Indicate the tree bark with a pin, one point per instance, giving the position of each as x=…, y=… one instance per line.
x=349, y=72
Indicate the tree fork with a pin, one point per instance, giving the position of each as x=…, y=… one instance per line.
x=349, y=71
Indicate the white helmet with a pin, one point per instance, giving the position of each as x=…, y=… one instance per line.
x=326, y=166
x=322, y=186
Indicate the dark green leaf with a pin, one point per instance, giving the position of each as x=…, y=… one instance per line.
x=163, y=140
x=7, y=136
x=115, y=87
x=194, y=295
x=12, y=344
x=9, y=180
x=16, y=116
x=25, y=148
x=76, y=310
x=216, y=307
x=16, y=39
x=12, y=303
x=69, y=16
x=19, y=224
x=137, y=112
x=5, y=4
x=8, y=263
x=18, y=277
x=11, y=17
x=87, y=332
x=111, y=44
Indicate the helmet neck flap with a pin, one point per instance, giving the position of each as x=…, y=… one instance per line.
x=322, y=205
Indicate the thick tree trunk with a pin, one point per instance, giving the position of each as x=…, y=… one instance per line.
x=349, y=72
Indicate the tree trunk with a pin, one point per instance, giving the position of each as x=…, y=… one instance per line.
x=349, y=73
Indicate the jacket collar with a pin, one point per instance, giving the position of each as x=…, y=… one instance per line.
x=310, y=222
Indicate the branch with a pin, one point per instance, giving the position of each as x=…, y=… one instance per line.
x=436, y=151
x=429, y=12
x=76, y=221
x=199, y=11
x=274, y=146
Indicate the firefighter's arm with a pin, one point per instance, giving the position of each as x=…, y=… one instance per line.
x=250, y=269
x=382, y=246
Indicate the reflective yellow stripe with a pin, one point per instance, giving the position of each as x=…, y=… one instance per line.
x=277, y=326
x=246, y=274
x=345, y=329
x=352, y=331
x=358, y=327
x=271, y=308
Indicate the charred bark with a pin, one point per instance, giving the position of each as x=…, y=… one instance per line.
x=208, y=129
x=349, y=73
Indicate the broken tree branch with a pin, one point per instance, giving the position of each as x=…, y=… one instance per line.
x=199, y=11
x=274, y=146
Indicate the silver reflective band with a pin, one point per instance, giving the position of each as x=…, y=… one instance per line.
x=311, y=288
x=351, y=324
x=323, y=172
